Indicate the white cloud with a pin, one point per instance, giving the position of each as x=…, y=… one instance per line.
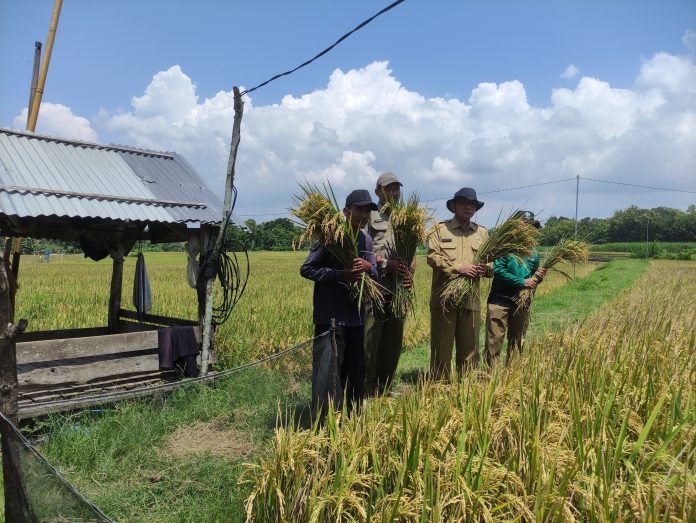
x=365, y=121
x=570, y=72
x=58, y=120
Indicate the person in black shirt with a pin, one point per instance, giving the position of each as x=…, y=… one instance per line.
x=334, y=375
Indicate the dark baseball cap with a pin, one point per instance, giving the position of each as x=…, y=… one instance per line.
x=387, y=179
x=361, y=198
x=466, y=193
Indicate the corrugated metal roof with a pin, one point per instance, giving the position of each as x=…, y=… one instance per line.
x=42, y=176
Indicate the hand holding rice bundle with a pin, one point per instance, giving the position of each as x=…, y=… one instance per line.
x=325, y=222
x=514, y=237
x=409, y=223
x=566, y=250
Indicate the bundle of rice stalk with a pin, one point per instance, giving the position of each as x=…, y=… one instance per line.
x=326, y=223
x=409, y=225
x=566, y=250
x=514, y=237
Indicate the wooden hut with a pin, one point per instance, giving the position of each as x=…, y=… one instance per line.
x=107, y=197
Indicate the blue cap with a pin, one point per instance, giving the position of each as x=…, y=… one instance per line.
x=361, y=198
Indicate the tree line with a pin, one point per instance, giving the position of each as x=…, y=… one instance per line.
x=660, y=224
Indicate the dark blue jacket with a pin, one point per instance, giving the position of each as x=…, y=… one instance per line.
x=332, y=296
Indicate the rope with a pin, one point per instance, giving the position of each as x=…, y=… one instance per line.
x=28, y=446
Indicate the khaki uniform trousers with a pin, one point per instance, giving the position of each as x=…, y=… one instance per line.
x=499, y=320
x=459, y=327
x=384, y=335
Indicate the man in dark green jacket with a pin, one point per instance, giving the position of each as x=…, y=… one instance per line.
x=510, y=276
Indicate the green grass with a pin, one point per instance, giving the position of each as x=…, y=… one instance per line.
x=122, y=458
x=668, y=250
x=125, y=461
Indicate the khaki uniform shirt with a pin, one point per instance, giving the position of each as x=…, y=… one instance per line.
x=449, y=247
x=380, y=229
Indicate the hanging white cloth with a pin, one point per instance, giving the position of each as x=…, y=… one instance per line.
x=193, y=250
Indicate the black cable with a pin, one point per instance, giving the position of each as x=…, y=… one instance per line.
x=228, y=269
x=511, y=188
x=640, y=186
x=357, y=28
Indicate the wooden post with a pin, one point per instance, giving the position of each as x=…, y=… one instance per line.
x=116, y=287
x=15, y=499
x=226, y=213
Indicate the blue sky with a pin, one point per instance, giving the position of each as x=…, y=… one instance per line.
x=444, y=93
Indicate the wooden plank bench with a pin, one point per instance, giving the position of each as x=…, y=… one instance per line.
x=74, y=364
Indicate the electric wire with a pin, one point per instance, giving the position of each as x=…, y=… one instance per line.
x=636, y=185
x=322, y=53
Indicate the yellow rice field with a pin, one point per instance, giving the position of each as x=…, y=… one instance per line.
x=275, y=311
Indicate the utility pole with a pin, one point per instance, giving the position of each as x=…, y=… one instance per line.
x=226, y=213
x=577, y=194
x=647, y=238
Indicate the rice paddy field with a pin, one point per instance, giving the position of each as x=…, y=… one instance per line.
x=595, y=421
x=275, y=311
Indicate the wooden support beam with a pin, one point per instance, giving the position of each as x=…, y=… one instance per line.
x=15, y=497
x=40, y=409
x=158, y=320
x=116, y=287
x=226, y=213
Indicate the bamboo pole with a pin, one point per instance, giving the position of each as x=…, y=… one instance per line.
x=226, y=213
x=34, y=115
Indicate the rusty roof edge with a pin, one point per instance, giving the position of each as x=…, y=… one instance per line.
x=91, y=145
x=108, y=197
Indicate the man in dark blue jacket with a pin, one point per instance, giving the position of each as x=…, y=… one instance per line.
x=342, y=372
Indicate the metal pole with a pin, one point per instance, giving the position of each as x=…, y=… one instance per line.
x=647, y=237
x=34, y=78
x=577, y=193
x=34, y=114
x=16, y=257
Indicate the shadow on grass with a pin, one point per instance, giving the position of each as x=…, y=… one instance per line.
x=414, y=376
x=297, y=412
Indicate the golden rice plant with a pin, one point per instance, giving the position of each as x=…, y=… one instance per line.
x=595, y=423
x=566, y=250
x=325, y=223
x=409, y=224
x=514, y=237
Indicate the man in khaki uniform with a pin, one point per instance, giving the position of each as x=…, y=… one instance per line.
x=451, y=250
x=383, y=331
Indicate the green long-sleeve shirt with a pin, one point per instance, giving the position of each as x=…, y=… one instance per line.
x=509, y=274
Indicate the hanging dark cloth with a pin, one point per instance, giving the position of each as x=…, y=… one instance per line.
x=178, y=348
x=142, y=296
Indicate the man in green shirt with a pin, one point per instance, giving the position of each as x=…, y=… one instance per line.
x=510, y=276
